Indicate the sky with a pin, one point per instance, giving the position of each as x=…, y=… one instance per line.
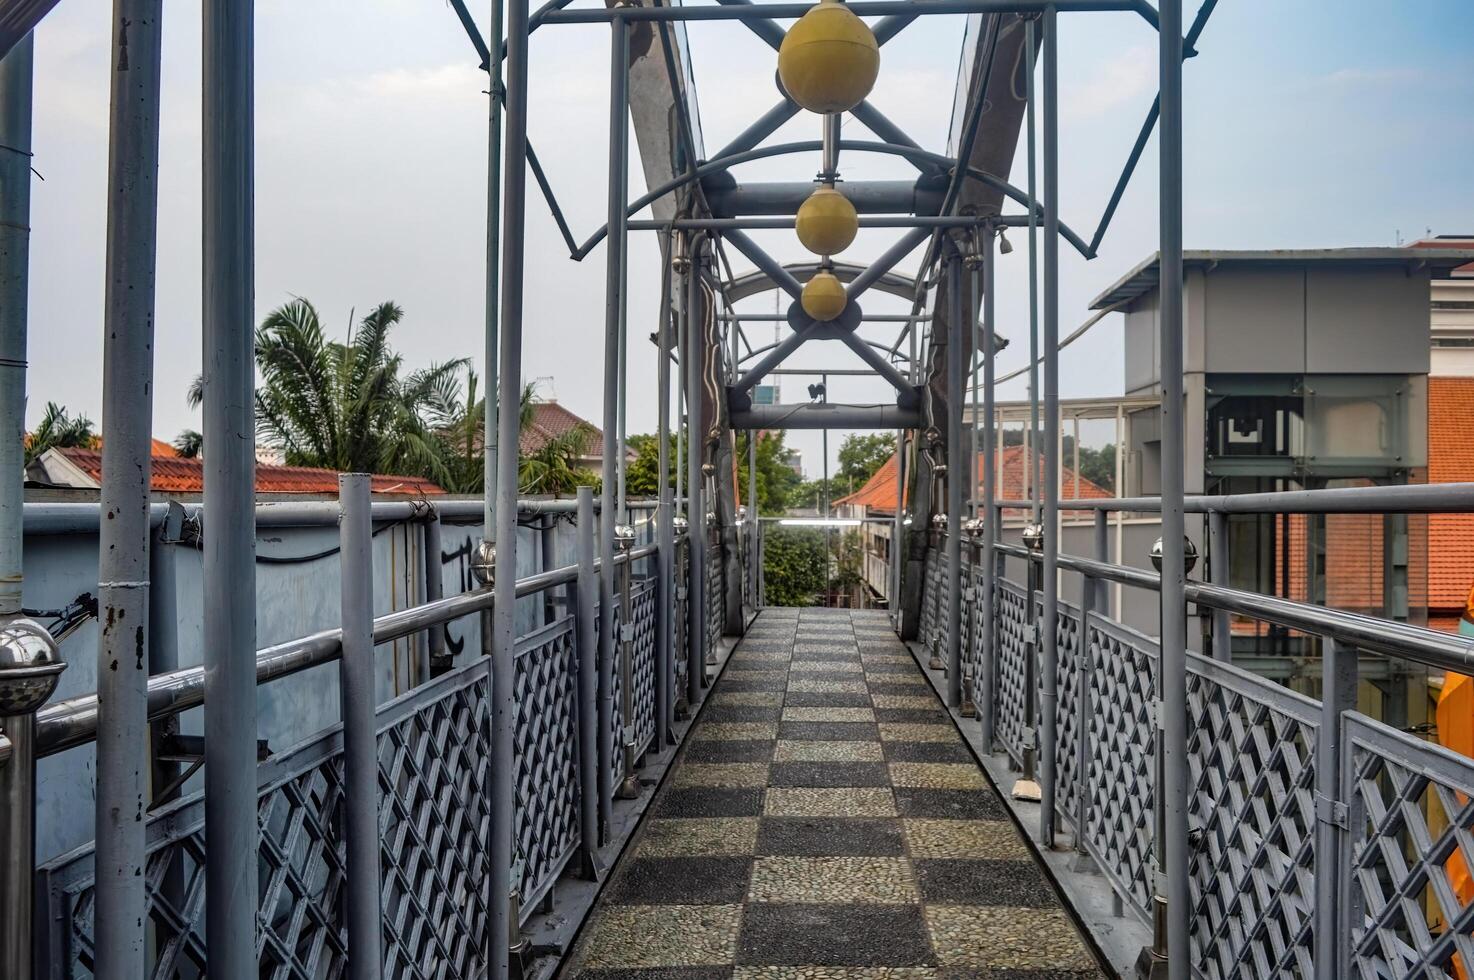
x=1317, y=123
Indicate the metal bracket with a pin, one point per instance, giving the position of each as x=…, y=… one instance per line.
x=1331, y=811
x=626, y=632
x=1029, y=736
x=1156, y=711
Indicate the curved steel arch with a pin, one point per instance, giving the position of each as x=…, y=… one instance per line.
x=911, y=153
x=758, y=281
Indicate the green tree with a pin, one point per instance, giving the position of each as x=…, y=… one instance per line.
x=345, y=406
x=794, y=565
x=189, y=444
x=642, y=474
x=59, y=430
x=810, y=494
x=775, y=478
x=554, y=467
x=861, y=455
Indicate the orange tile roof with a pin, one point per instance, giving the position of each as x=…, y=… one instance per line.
x=173, y=474
x=879, y=492
x=551, y=421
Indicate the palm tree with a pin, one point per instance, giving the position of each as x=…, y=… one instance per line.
x=189, y=444
x=344, y=406
x=58, y=430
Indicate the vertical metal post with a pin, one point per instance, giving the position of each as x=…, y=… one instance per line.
x=230, y=497
x=664, y=520
x=548, y=560
x=693, y=356
x=956, y=474
x=1218, y=573
x=831, y=136
x=1031, y=483
x=1172, y=683
x=18, y=775
x=1049, y=486
x=975, y=295
x=502, y=927
x=360, y=747
x=588, y=709
x=629, y=787
x=988, y=667
x=613, y=300
x=1093, y=597
x=753, y=554
x=491, y=423
x=1338, y=695
x=123, y=538
x=435, y=585
x=893, y=591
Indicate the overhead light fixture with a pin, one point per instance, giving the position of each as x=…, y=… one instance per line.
x=1004, y=245
x=816, y=391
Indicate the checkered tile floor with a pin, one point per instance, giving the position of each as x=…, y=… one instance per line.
x=825, y=823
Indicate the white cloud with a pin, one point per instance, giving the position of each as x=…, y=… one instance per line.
x=1117, y=82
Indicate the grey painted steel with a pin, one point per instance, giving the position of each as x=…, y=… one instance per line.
x=1338, y=696
x=1218, y=574
x=696, y=313
x=1048, y=488
x=1431, y=498
x=955, y=477
x=665, y=511
x=230, y=491
x=16, y=71
x=863, y=8
x=434, y=591
x=777, y=355
x=123, y=544
x=360, y=749
x=1031, y=487
x=808, y=416
x=885, y=261
x=878, y=363
x=588, y=693
x=988, y=668
x=500, y=926
x=1172, y=685
x=764, y=126
x=770, y=266
x=903, y=202
x=18, y=773
x=771, y=223
x=613, y=300
x=490, y=426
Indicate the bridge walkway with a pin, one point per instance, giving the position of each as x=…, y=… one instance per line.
x=826, y=821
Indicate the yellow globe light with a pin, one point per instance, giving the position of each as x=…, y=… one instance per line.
x=824, y=296
x=829, y=59
x=827, y=221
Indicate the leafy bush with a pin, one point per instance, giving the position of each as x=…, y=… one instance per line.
x=793, y=565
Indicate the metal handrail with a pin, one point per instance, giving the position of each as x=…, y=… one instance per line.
x=73, y=722
x=1431, y=648
x=1408, y=498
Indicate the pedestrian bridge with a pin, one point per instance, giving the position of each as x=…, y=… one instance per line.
x=608, y=756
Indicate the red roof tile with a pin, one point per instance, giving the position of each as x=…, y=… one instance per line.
x=879, y=492
x=172, y=474
x=552, y=421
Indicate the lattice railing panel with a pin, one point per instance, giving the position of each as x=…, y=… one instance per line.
x=716, y=599
x=1119, y=827
x=1406, y=892
x=643, y=656
x=975, y=637
x=1010, y=687
x=1251, y=752
x=1069, y=684
x=681, y=603
x=930, y=587
x=547, y=789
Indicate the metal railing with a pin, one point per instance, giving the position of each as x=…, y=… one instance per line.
x=426, y=791
x=1322, y=842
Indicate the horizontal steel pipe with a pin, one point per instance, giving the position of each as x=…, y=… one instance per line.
x=879, y=197
x=780, y=223
x=67, y=724
x=1415, y=498
x=862, y=8
x=807, y=416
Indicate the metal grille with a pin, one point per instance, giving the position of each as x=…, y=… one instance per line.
x=547, y=790
x=975, y=638
x=434, y=815
x=1409, y=851
x=1012, y=664
x=716, y=599
x=928, y=621
x=944, y=622
x=1069, y=684
x=681, y=605
x=642, y=606
x=1251, y=752
x=616, y=694
x=1119, y=828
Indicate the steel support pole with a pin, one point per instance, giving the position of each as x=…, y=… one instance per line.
x=1338, y=695
x=1172, y=678
x=752, y=517
x=360, y=747
x=988, y=667
x=435, y=586
x=613, y=300
x=586, y=626
x=18, y=774
x=123, y=543
x=1218, y=573
x=1049, y=625
x=955, y=478
x=230, y=497
x=693, y=356
x=664, y=530
x=490, y=426
x=502, y=926
x=1093, y=599
x=1031, y=485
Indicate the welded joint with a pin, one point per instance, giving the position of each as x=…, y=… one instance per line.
x=626, y=632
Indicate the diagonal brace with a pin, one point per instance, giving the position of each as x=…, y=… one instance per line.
x=774, y=270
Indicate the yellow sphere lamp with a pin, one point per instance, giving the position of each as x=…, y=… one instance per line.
x=824, y=297
x=827, y=221
x=828, y=60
